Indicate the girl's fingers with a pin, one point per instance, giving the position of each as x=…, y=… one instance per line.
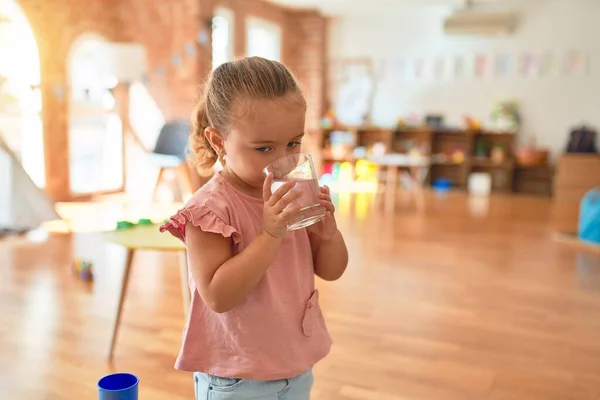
x=280, y=192
x=324, y=196
x=290, y=212
x=328, y=206
x=267, y=187
x=286, y=200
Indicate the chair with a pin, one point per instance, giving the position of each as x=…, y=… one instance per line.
x=170, y=153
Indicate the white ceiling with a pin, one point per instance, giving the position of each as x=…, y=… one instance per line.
x=384, y=7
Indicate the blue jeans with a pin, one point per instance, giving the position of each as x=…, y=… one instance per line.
x=210, y=387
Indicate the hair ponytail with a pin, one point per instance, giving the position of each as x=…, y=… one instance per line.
x=203, y=156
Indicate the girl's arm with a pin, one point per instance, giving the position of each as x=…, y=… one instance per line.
x=330, y=257
x=223, y=280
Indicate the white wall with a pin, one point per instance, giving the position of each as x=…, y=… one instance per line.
x=550, y=106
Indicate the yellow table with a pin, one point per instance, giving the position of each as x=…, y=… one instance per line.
x=146, y=237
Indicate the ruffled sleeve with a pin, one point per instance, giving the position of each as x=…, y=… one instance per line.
x=200, y=216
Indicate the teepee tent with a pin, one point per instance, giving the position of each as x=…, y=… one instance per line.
x=22, y=204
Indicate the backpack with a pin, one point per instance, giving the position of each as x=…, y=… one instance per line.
x=582, y=140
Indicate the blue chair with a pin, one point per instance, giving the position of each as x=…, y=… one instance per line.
x=170, y=153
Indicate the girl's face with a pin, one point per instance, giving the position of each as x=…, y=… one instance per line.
x=270, y=129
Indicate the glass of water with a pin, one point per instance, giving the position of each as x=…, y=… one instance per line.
x=299, y=168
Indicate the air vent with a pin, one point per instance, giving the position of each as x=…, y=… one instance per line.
x=480, y=24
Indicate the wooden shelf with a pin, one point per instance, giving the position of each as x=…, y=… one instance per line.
x=341, y=160
x=447, y=163
x=439, y=141
x=488, y=163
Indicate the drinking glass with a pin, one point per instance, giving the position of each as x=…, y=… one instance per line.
x=299, y=168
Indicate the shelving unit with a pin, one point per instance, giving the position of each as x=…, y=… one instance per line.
x=435, y=142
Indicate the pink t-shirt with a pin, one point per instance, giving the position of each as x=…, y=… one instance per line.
x=278, y=331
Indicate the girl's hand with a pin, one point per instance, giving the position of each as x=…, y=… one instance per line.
x=325, y=229
x=277, y=210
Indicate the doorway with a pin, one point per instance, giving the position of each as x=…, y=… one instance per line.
x=20, y=95
x=95, y=129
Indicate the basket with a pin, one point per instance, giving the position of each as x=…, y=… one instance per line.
x=528, y=157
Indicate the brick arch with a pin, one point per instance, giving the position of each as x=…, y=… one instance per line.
x=55, y=28
x=86, y=29
x=29, y=15
x=78, y=39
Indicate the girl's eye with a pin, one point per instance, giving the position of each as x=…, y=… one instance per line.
x=264, y=149
x=294, y=144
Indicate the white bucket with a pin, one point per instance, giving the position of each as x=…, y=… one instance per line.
x=480, y=184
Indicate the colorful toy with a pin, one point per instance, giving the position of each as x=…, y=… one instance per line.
x=326, y=180
x=589, y=217
x=442, y=185
x=335, y=173
x=83, y=268
x=366, y=171
x=346, y=171
x=329, y=119
x=481, y=148
x=458, y=156
x=125, y=224
x=506, y=116
x=471, y=123
x=129, y=224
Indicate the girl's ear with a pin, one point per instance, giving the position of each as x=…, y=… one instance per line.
x=215, y=139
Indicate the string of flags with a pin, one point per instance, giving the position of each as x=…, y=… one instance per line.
x=177, y=59
x=452, y=67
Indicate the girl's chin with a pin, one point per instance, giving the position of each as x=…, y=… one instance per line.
x=255, y=182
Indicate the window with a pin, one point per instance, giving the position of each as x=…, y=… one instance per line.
x=95, y=130
x=222, y=36
x=263, y=39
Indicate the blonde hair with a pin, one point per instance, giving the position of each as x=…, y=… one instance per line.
x=230, y=83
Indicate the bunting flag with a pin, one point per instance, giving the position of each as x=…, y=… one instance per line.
x=504, y=65
x=464, y=67
x=483, y=66
x=576, y=63
x=549, y=65
x=176, y=61
x=202, y=38
x=529, y=66
x=190, y=49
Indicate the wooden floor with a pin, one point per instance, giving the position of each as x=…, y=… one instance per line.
x=470, y=300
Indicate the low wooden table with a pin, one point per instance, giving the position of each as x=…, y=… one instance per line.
x=145, y=237
x=418, y=168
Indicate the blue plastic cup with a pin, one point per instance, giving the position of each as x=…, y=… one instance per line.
x=119, y=386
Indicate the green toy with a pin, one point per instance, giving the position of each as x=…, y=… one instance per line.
x=130, y=224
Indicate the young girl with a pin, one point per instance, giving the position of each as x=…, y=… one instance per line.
x=254, y=328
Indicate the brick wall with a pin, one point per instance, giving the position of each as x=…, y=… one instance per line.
x=169, y=32
x=165, y=28
x=305, y=52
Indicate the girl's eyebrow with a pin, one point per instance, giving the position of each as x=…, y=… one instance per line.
x=300, y=136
